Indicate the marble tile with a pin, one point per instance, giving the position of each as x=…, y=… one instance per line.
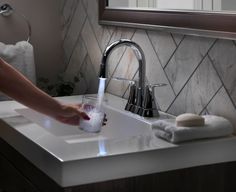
x=102, y=33
x=177, y=38
x=80, y=86
x=199, y=90
x=223, y=56
x=74, y=31
x=67, y=14
x=92, y=46
x=186, y=59
x=90, y=76
x=222, y=105
x=87, y=80
x=111, y=29
x=76, y=61
x=163, y=44
x=154, y=71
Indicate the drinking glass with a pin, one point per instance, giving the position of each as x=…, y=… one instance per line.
x=95, y=112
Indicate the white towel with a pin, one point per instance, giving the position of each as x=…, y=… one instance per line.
x=21, y=57
x=215, y=126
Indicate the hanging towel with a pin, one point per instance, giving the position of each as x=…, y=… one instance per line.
x=21, y=57
x=215, y=126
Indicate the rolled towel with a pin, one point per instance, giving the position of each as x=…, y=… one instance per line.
x=215, y=126
x=21, y=57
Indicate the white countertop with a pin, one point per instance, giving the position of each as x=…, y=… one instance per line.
x=75, y=163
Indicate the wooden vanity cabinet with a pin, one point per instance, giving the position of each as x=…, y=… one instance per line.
x=12, y=180
x=17, y=174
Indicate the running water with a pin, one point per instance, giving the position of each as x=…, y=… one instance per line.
x=101, y=90
x=96, y=114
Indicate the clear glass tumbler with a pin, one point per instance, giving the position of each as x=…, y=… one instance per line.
x=96, y=114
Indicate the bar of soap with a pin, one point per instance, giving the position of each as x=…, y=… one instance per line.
x=189, y=120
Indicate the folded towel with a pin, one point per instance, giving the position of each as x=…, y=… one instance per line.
x=21, y=57
x=215, y=126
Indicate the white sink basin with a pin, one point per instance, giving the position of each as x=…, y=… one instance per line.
x=120, y=125
x=125, y=147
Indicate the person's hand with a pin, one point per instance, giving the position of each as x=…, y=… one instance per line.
x=71, y=114
x=88, y=107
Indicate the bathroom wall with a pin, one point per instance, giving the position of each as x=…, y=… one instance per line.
x=46, y=33
x=200, y=72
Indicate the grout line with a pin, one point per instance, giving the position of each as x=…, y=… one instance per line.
x=70, y=20
x=111, y=35
x=174, y=39
x=203, y=58
x=87, y=55
x=172, y=55
x=229, y=95
x=82, y=65
x=169, y=62
x=234, y=42
x=153, y=48
x=104, y=28
x=183, y=36
x=77, y=40
x=161, y=64
x=95, y=34
x=205, y=108
x=192, y=74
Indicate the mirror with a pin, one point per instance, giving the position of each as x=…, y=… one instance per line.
x=213, y=18
x=199, y=5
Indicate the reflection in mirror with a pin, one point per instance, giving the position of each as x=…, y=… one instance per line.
x=220, y=24
x=206, y=5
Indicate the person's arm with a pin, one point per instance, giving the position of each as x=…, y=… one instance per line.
x=18, y=87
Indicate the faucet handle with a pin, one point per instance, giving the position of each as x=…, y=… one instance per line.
x=152, y=86
x=149, y=106
x=131, y=82
x=132, y=93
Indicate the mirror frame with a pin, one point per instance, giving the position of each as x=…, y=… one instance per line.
x=211, y=24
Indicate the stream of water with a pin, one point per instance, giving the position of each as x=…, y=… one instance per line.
x=101, y=90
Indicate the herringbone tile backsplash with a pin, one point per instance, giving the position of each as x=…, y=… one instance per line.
x=200, y=72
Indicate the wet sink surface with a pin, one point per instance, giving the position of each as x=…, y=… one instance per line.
x=120, y=125
x=125, y=147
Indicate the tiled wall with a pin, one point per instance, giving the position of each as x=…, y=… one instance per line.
x=200, y=72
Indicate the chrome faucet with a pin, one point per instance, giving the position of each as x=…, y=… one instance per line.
x=137, y=51
x=140, y=95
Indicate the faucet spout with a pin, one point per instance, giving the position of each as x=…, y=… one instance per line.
x=137, y=90
x=137, y=51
